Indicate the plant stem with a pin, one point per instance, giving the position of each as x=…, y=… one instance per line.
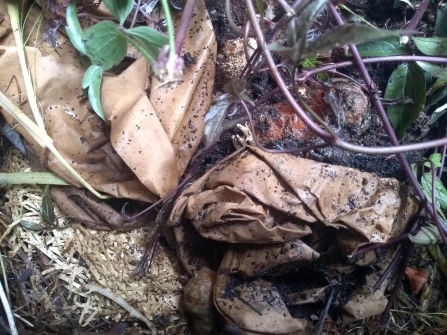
x=134, y=18
x=182, y=29
x=412, y=25
x=170, y=26
x=386, y=123
x=306, y=73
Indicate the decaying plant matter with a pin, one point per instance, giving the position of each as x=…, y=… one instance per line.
x=259, y=216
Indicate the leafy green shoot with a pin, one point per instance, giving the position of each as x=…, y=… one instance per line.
x=105, y=44
x=298, y=48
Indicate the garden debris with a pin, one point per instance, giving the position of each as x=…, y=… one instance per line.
x=416, y=278
x=62, y=260
x=280, y=214
x=167, y=126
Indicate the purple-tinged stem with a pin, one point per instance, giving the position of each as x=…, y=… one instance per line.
x=382, y=114
x=399, y=277
x=412, y=25
x=388, y=270
x=134, y=18
x=305, y=74
x=182, y=29
x=374, y=246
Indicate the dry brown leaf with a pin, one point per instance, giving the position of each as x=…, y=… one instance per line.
x=283, y=214
x=151, y=143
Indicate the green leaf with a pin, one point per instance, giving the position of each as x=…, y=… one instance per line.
x=407, y=81
x=47, y=207
x=441, y=23
x=92, y=80
x=310, y=62
x=435, y=159
x=105, y=44
x=260, y=8
x=73, y=28
x=119, y=8
x=435, y=70
x=426, y=236
x=389, y=46
x=434, y=100
x=343, y=35
x=148, y=38
x=440, y=191
x=432, y=46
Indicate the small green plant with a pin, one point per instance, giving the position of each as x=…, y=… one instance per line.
x=298, y=49
x=429, y=235
x=105, y=44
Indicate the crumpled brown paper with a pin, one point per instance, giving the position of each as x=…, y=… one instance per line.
x=282, y=214
x=146, y=141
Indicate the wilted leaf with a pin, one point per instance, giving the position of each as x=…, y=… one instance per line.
x=441, y=23
x=432, y=46
x=150, y=39
x=73, y=28
x=105, y=44
x=389, y=46
x=407, y=81
x=119, y=8
x=92, y=81
x=237, y=90
x=214, y=119
x=297, y=32
x=51, y=34
x=31, y=225
x=47, y=207
x=343, y=35
x=426, y=236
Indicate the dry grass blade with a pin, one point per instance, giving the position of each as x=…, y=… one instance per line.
x=7, y=308
x=43, y=139
x=37, y=130
x=37, y=178
x=13, y=12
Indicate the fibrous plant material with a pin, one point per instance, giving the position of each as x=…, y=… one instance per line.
x=62, y=260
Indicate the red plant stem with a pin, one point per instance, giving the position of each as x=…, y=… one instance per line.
x=182, y=29
x=412, y=25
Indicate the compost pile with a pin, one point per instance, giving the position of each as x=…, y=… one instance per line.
x=247, y=236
